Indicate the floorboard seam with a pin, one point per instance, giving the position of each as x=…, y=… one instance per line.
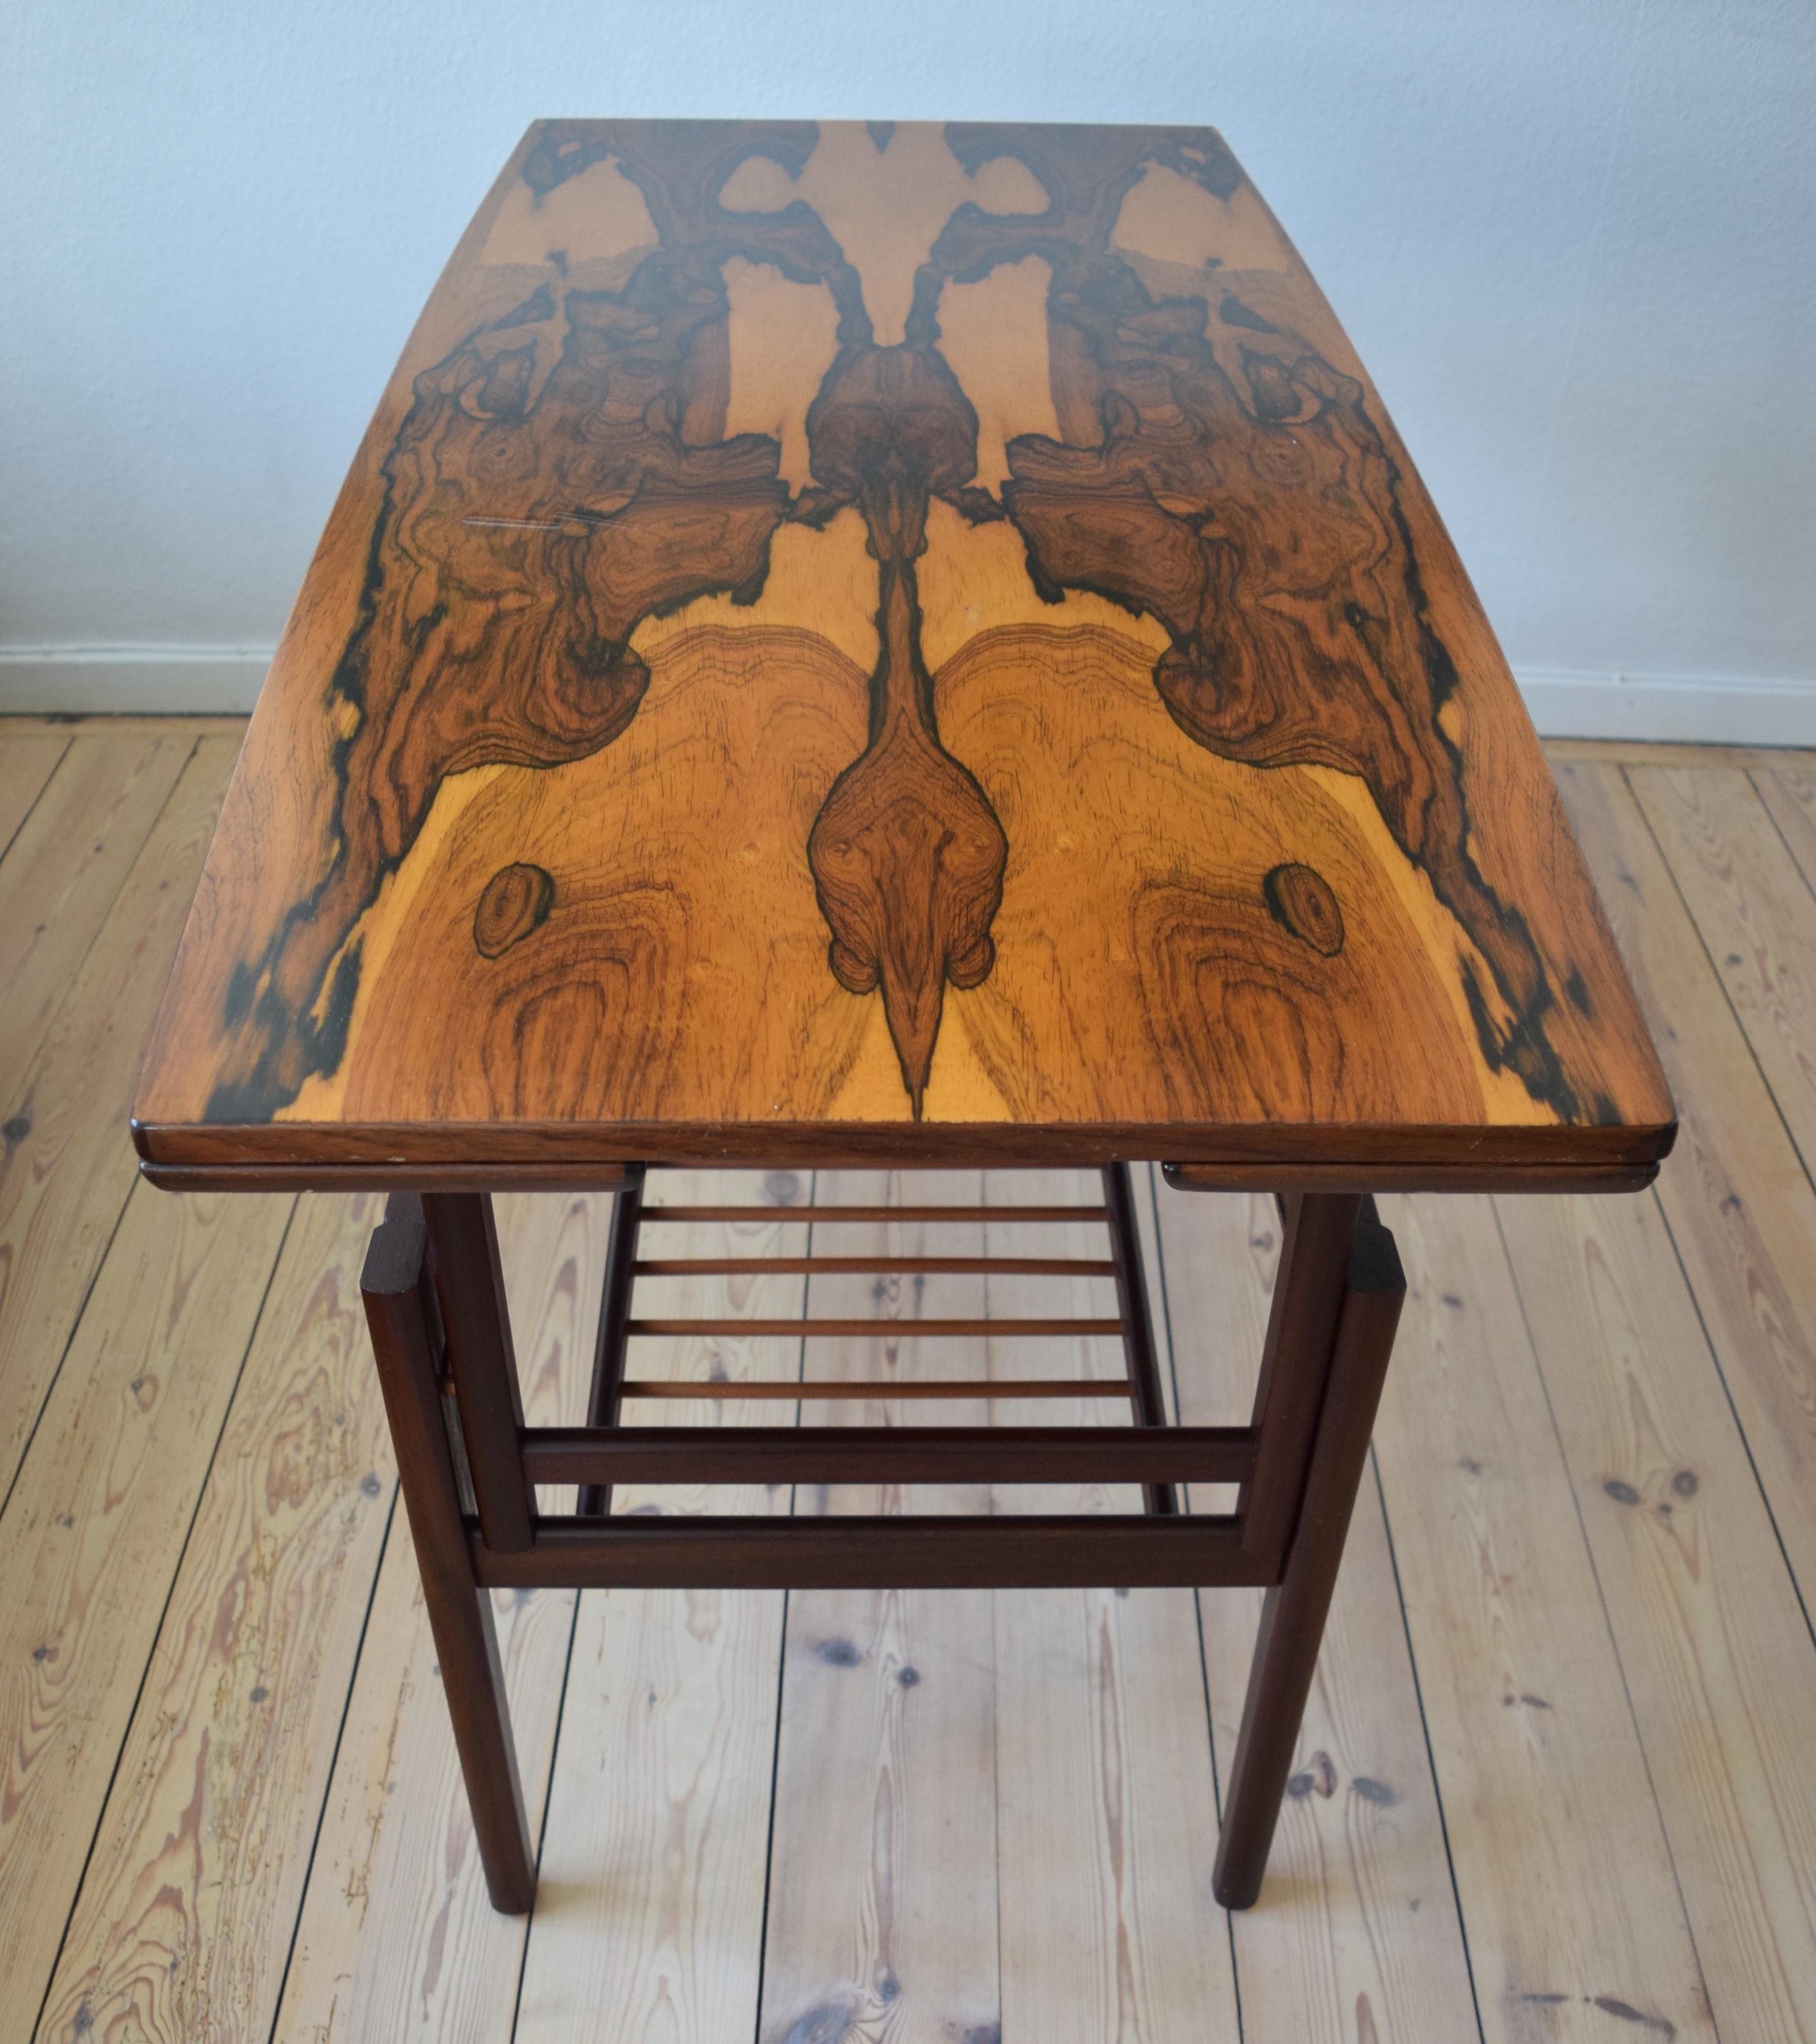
x=68, y=995
x=333, y=1767
x=170, y=1591
x=769, y=1832
x=62, y=1354
x=1607, y=1616
x=1740, y=1426
x=548, y=1799
x=126, y=878
x=1702, y=943
x=1430, y=1752
x=43, y=786
x=781, y=1660
x=1754, y=773
x=1197, y=1595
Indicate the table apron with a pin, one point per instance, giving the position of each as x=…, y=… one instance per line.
x=971, y=1552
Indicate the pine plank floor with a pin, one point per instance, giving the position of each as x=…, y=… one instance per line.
x=1554, y=1783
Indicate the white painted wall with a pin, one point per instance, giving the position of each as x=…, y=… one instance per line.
x=1572, y=238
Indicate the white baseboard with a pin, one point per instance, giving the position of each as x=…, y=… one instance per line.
x=200, y=680
x=139, y=681
x=1683, y=709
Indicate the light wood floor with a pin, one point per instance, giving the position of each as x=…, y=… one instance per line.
x=1558, y=1776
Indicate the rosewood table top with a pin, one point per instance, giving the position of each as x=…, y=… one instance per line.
x=887, y=640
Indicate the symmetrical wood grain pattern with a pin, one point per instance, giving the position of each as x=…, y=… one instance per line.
x=902, y=628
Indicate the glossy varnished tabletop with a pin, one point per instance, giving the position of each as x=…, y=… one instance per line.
x=864, y=641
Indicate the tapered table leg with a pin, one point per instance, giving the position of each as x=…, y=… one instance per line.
x=1292, y=1618
x=460, y=1613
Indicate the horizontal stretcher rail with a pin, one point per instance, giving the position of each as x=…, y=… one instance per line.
x=891, y=1329
x=813, y=1267
x=889, y=1454
x=870, y=1391
x=638, y=1551
x=826, y=1213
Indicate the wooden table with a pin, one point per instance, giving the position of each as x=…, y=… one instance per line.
x=886, y=643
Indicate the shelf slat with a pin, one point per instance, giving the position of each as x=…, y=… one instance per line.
x=731, y=1266
x=869, y=1391
x=1021, y=1330
x=652, y=1214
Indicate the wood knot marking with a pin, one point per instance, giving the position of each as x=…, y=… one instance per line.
x=1319, y=1779
x=824, y=2025
x=1300, y=901
x=1684, y=1483
x=837, y=1653
x=514, y=901
x=1611, y=2005
x=1622, y=1493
